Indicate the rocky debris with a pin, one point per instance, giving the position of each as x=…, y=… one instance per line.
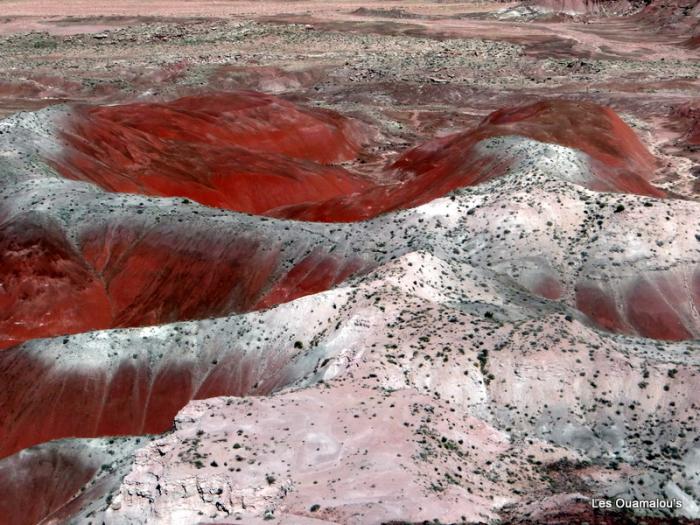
x=589, y=7
x=385, y=13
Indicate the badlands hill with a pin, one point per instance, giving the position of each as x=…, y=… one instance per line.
x=357, y=264
x=524, y=337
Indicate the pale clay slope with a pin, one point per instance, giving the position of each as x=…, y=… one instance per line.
x=371, y=436
x=413, y=334
x=163, y=488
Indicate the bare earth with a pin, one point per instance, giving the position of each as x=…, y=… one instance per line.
x=458, y=377
x=435, y=67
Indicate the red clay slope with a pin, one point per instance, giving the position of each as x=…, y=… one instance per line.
x=249, y=152
x=128, y=393
x=50, y=482
x=39, y=482
x=659, y=306
x=125, y=275
x=619, y=162
x=259, y=154
x=243, y=151
x=47, y=289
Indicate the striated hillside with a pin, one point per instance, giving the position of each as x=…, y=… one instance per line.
x=349, y=263
x=502, y=343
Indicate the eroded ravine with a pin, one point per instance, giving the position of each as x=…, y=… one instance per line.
x=540, y=210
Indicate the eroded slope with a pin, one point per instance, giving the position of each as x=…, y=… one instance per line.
x=512, y=306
